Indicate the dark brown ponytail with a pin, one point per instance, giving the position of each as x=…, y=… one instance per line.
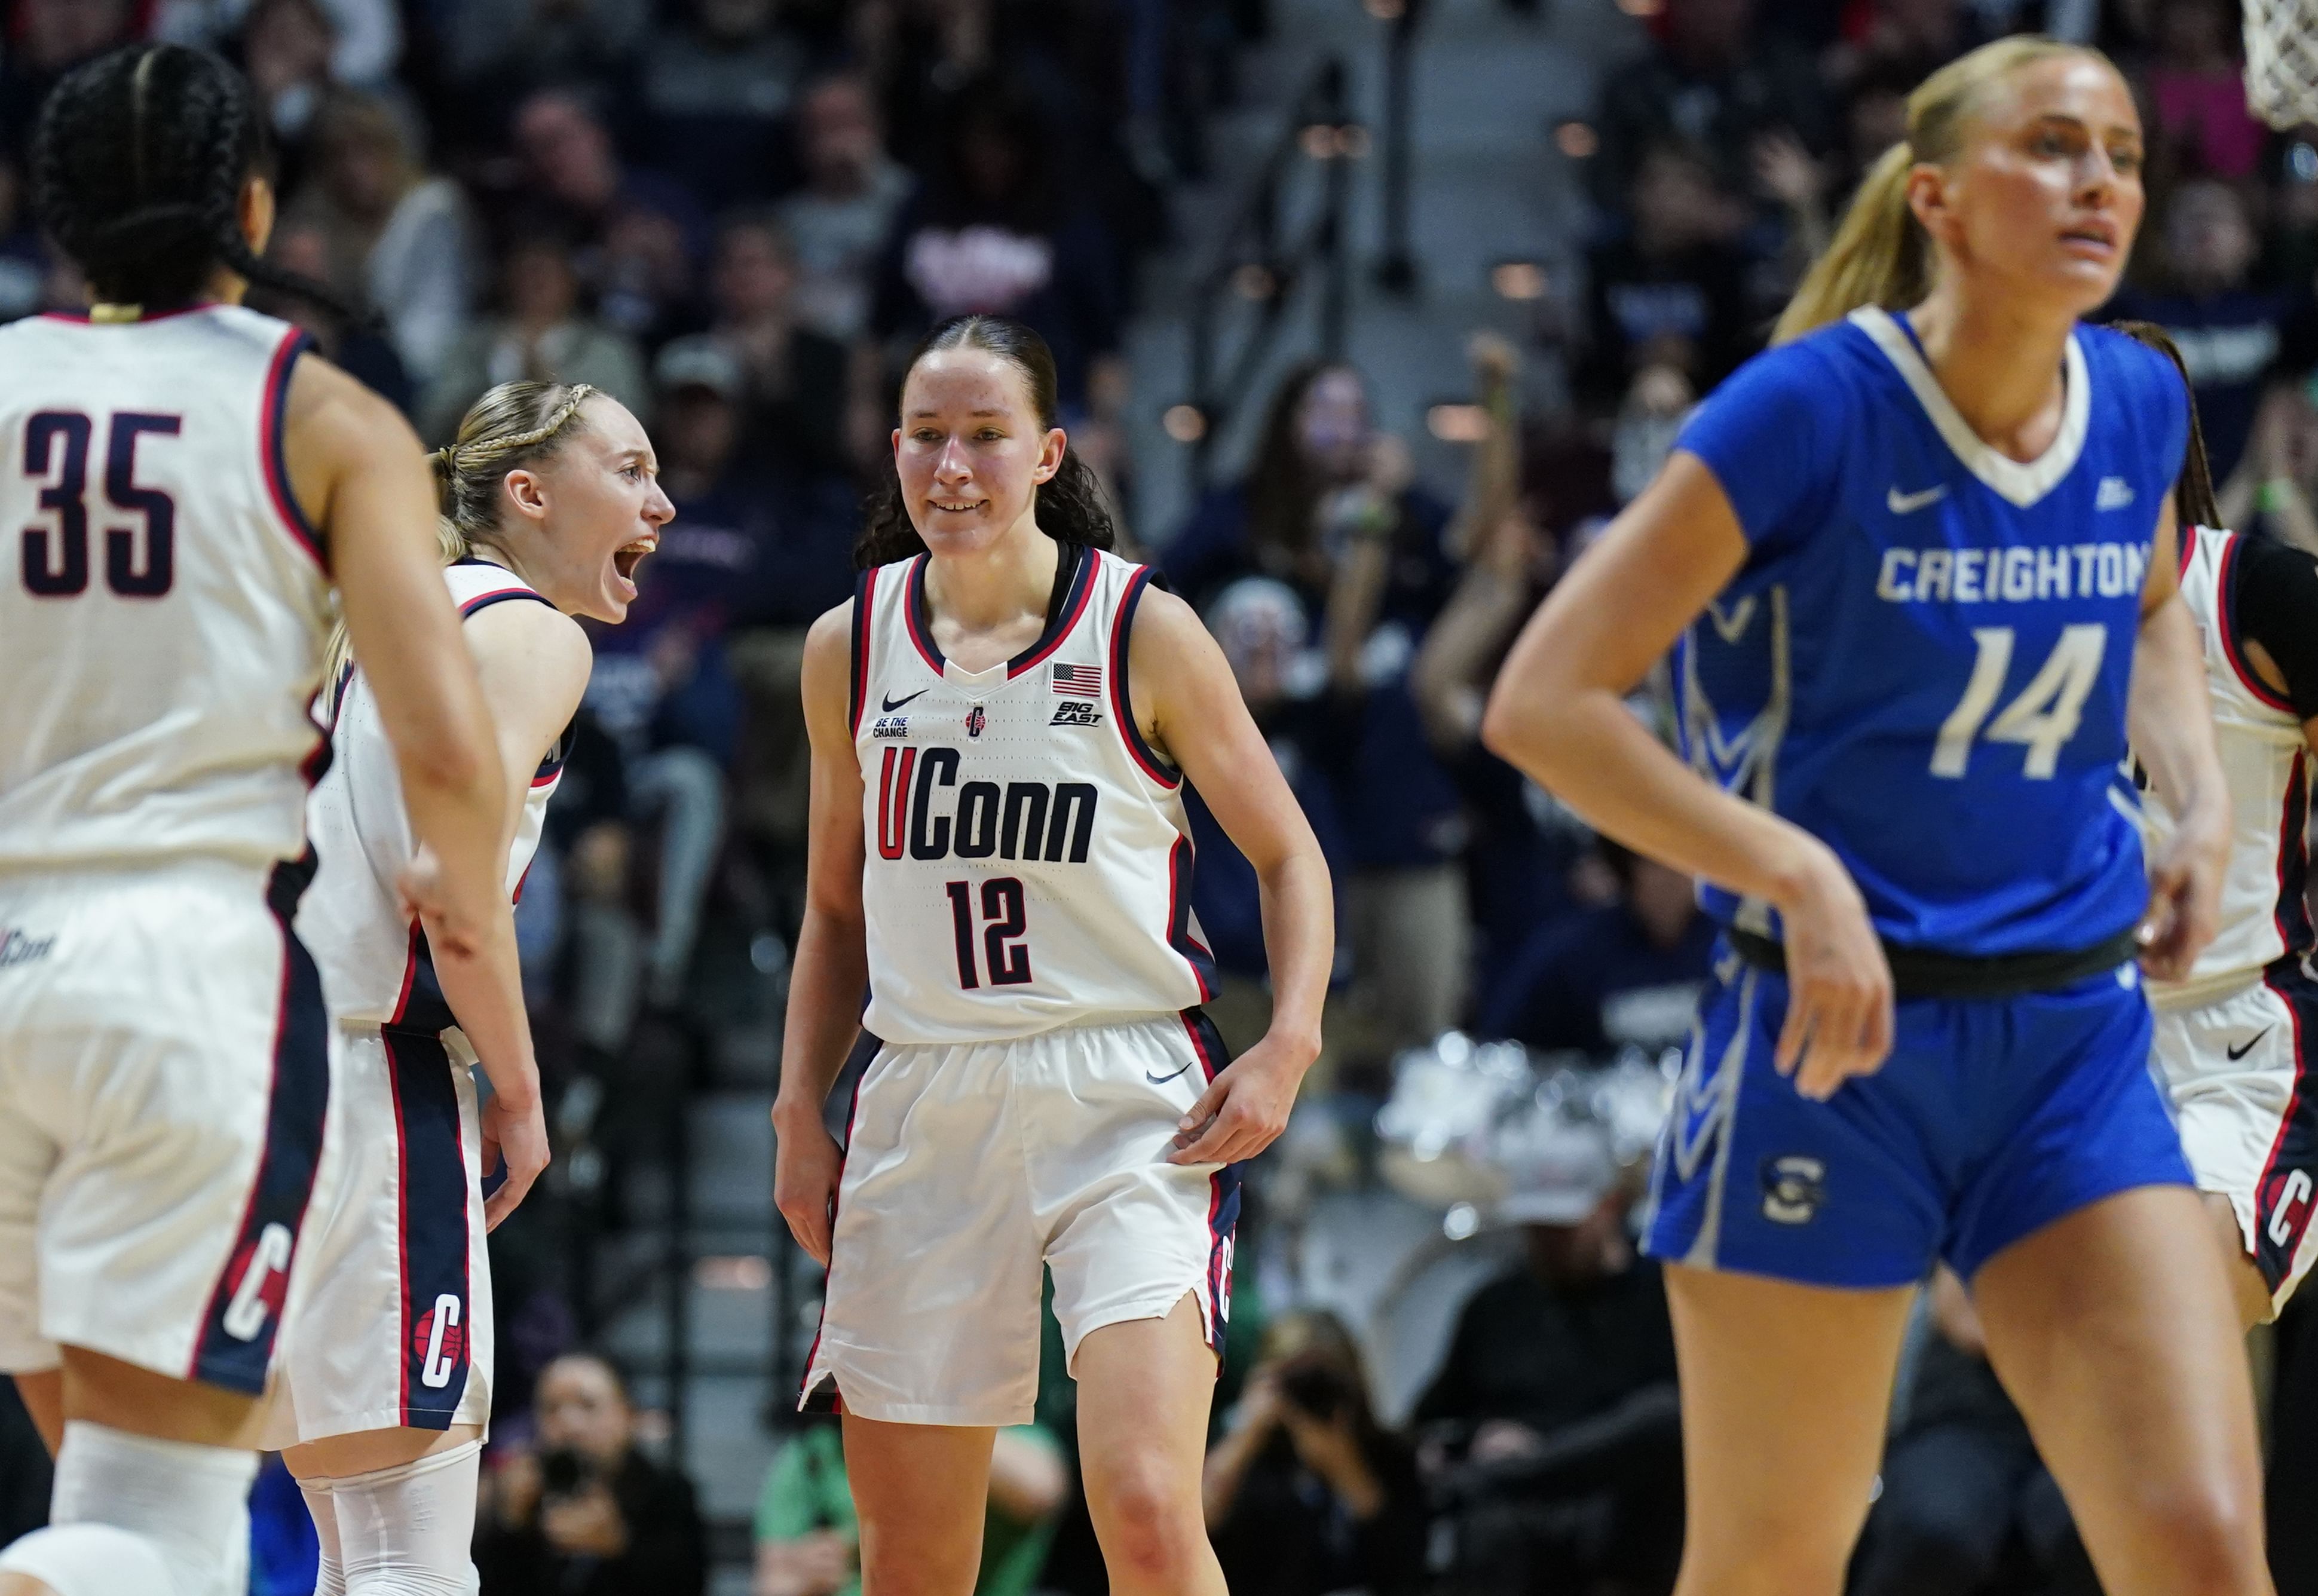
x=1071, y=506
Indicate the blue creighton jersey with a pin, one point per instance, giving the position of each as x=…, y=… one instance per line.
x=1924, y=661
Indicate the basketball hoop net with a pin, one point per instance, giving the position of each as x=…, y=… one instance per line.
x=2281, y=48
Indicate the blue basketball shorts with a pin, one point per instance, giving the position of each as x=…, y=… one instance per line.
x=1991, y=1119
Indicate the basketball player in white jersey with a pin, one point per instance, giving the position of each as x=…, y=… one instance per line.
x=551, y=499
x=1002, y=722
x=180, y=487
x=2237, y=1039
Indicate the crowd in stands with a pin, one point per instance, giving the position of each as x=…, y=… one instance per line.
x=737, y=216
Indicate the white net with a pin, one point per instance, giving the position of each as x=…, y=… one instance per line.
x=2281, y=48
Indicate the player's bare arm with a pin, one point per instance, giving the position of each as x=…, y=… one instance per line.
x=2171, y=724
x=1558, y=714
x=832, y=963
x=355, y=467
x=1190, y=708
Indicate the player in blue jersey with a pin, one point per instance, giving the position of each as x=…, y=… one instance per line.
x=1921, y=562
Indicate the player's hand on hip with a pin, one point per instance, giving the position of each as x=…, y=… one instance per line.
x=515, y=1139
x=1244, y=1109
x=2185, y=899
x=1839, y=1019
x=806, y=1167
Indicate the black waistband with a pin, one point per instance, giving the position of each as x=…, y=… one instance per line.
x=1922, y=972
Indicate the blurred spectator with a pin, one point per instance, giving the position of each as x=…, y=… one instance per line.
x=639, y=233
x=839, y=221
x=23, y=259
x=539, y=332
x=993, y=230
x=583, y=1512
x=2275, y=488
x=716, y=96
x=2197, y=84
x=2229, y=329
x=1965, y=1498
x=398, y=240
x=1627, y=973
x=46, y=40
x=1306, y=1494
x=1553, y=1427
x=1672, y=289
x=795, y=395
x=303, y=246
x=1712, y=80
x=286, y=48
x=808, y=1540
x=501, y=50
x=366, y=35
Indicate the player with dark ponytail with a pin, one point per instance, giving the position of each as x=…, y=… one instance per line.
x=187, y=483
x=146, y=166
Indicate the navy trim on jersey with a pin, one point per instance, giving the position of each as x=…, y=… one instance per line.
x=483, y=601
x=916, y=618
x=430, y=1225
x=865, y=596
x=1180, y=861
x=229, y=1351
x=1122, y=703
x=422, y=1007
x=826, y=1398
x=2227, y=582
x=2295, y=1147
x=1223, y=1185
x=273, y=429
x=2188, y=551
x=1062, y=619
x=2291, y=914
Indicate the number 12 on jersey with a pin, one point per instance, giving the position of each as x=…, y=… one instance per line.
x=2042, y=718
x=1006, y=915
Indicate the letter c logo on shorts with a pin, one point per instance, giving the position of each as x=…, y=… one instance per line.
x=2286, y=1213
x=256, y=1295
x=445, y=1342
x=1793, y=1187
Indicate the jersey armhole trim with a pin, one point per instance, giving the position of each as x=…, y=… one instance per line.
x=865, y=594
x=2189, y=548
x=2227, y=581
x=483, y=601
x=272, y=432
x=1066, y=615
x=1122, y=701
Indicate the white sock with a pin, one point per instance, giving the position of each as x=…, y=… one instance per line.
x=331, y=1578
x=189, y=1504
x=407, y=1531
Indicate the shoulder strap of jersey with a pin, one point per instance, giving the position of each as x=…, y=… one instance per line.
x=1122, y=702
x=273, y=428
x=499, y=587
x=865, y=609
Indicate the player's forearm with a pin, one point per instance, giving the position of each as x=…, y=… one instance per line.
x=1299, y=942
x=1587, y=748
x=2170, y=720
x=824, y=1014
x=485, y=991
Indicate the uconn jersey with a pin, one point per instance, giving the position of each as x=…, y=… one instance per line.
x=393, y=1324
x=163, y=602
x=164, y=1049
x=1028, y=862
x=1924, y=662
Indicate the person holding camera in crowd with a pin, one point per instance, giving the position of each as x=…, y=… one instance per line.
x=585, y=1514
x=1306, y=1492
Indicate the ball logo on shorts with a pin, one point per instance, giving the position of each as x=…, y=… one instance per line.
x=260, y=1272
x=439, y=1342
x=1793, y=1187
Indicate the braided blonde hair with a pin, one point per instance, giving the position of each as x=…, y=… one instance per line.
x=514, y=426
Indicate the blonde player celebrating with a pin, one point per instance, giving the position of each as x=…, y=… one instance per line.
x=1002, y=722
x=2237, y=1038
x=180, y=486
x=551, y=499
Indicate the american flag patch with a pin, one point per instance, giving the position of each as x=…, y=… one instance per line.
x=1078, y=681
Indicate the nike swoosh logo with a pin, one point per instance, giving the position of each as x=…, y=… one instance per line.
x=1904, y=504
x=2238, y=1053
x=894, y=703
x=1163, y=1080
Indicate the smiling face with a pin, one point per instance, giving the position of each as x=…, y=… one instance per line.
x=971, y=450
x=2044, y=197
x=578, y=524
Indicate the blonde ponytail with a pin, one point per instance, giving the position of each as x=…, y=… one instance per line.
x=515, y=424
x=1880, y=255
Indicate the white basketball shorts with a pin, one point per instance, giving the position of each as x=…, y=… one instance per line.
x=163, y=1079
x=390, y=1312
x=968, y=1166
x=2240, y=1071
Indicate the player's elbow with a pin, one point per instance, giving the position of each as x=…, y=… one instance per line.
x=457, y=767
x=1517, y=724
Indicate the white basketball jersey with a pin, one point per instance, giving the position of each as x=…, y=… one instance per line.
x=375, y=962
x=2266, y=765
x=163, y=600
x=1028, y=864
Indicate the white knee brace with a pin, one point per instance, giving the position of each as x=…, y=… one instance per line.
x=406, y=1532
x=131, y=1513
